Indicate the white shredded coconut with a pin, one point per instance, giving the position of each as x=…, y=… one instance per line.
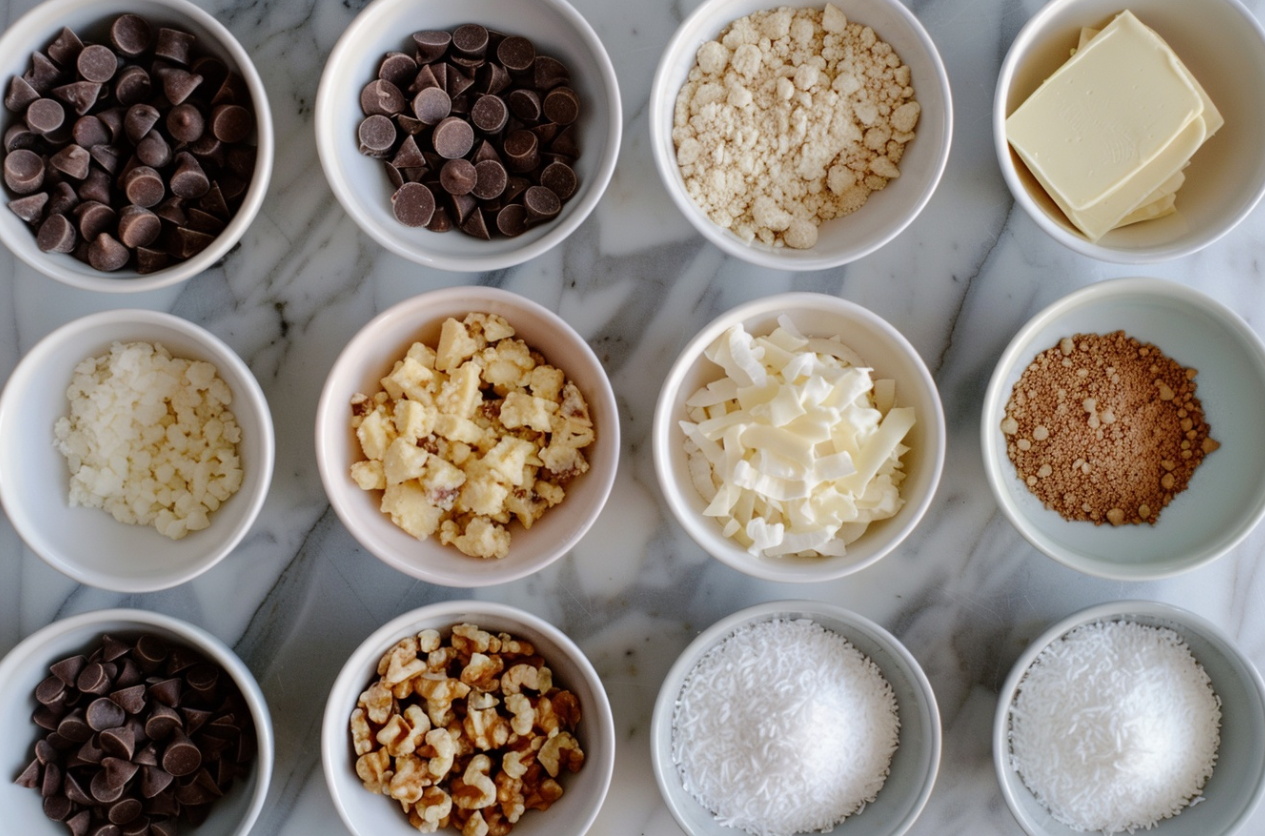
x=784, y=727
x=150, y=438
x=1115, y=727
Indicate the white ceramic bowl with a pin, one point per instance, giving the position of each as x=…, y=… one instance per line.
x=90, y=19
x=26, y=665
x=917, y=759
x=87, y=543
x=887, y=212
x=1223, y=44
x=360, y=183
x=1238, y=780
x=880, y=345
x=367, y=814
x=370, y=355
x=1226, y=496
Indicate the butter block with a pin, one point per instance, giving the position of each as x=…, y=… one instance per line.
x=1107, y=113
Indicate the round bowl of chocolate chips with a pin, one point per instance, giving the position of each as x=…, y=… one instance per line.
x=497, y=123
x=137, y=142
x=131, y=722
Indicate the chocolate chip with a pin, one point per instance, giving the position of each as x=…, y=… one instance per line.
x=377, y=136
x=153, y=150
x=18, y=135
x=174, y=45
x=233, y=123
x=109, y=783
x=138, y=227
x=118, y=742
x=73, y=161
x=490, y=179
x=31, y=776
x=382, y=97
x=524, y=104
x=144, y=187
x=185, y=123
x=491, y=79
x=188, y=181
x=44, y=75
x=57, y=807
x=51, y=690
x=453, y=138
x=431, y=45
x=413, y=204
x=202, y=679
x=133, y=86
x=397, y=68
x=440, y=221
x=521, y=151
x=79, y=823
x=457, y=82
x=23, y=171
x=516, y=53
x=20, y=94
x=104, y=713
x=432, y=105
x=65, y=48
x=29, y=208
x=89, y=131
x=166, y=691
x=194, y=719
x=476, y=226
x=548, y=72
x=124, y=811
x=181, y=757
x=96, y=186
x=204, y=221
x=131, y=34
x=56, y=235
x=457, y=177
x=559, y=178
x=150, y=652
x=107, y=254
x=541, y=204
x=564, y=143
x=489, y=114
x=179, y=84
x=470, y=39
x=561, y=105
x=93, y=217
x=190, y=242
x=138, y=121
x=151, y=261
x=44, y=115
x=97, y=63
x=80, y=95
x=90, y=752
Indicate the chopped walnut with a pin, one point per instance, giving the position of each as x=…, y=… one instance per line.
x=473, y=739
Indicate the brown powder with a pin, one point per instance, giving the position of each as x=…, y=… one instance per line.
x=1106, y=428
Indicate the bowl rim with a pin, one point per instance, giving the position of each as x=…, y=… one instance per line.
x=1109, y=611
x=29, y=366
x=663, y=419
x=1077, y=243
x=757, y=253
x=204, y=641
x=415, y=309
x=130, y=282
x=665, y=701
x=350, y=681
x=327, y=150
x=996, y=393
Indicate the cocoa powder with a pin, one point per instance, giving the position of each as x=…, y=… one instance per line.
x=1105, y=428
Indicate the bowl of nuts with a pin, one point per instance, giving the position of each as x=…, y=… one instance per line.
x=467, y=436
x=796, y=137
x=128, y=719
x=468, y=714
x=495, y=122
x=136, y=450
x=138, y=142
x=1118, y=433
x=798, y=438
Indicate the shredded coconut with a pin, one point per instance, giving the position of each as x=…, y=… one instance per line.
x=1115, y=727
x=784, y=727
x=150, y=438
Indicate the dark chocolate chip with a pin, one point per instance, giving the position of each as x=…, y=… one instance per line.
x=382, y=97
x=431, y=45
x=516, y=54
x=90, y=752
x=470, y=39
x=129, y=674
x=174, y=45
x=107, y=254
x=51, y=690
x=144, y=187
x=408, y=155
x=185, y=123
x=131, y=34
x=561, y=105
x=521, y=151
x=89, y=131
x=181, y=757
x=398, y=68
x=44, y=75
x=75, y=791
x=104, y=713
x=201, y=221
x=214, y=72
x=190, y=242
x=489, y=114
x=179, y=84
x=18, y=135
x=432, y=105
x=80, y=95
x=147, y=755
x=457, y=82
x=413, y=204
x=453, y=138
x=97, y=63
x=151, y=651
x=233, y=123
x=133, y=86
x=20, y=94
x=188, y=181
x=541, y=204
x=96, y=186
x=524, y=104
x=30, y=777
x=29, y=208
x=138, y=121
x=57, y=807
x=57, y=235
x=491, y=79
x=151, y=261
x=65, y=48
x=118, y=742
x=560, y=179
x=476, y=226
x=93, y=217
x=44, y=116
x=124, y=810
x=154, y=780
x=50, y=781
x=490, y=180
x=377, y=136
x=457, y=177
x=79, y=823
x=106, y=786
x=565, y=143
x=153, y=150
x=440, y=221
x=548, y=73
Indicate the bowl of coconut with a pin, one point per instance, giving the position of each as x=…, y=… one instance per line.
x=758, y=707
x=1168, y=721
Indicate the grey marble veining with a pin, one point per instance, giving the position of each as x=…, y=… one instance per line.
x=965, y=593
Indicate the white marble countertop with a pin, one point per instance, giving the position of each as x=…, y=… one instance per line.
x=964, y=593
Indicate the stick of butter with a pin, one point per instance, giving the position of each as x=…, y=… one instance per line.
x=1111, y=128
